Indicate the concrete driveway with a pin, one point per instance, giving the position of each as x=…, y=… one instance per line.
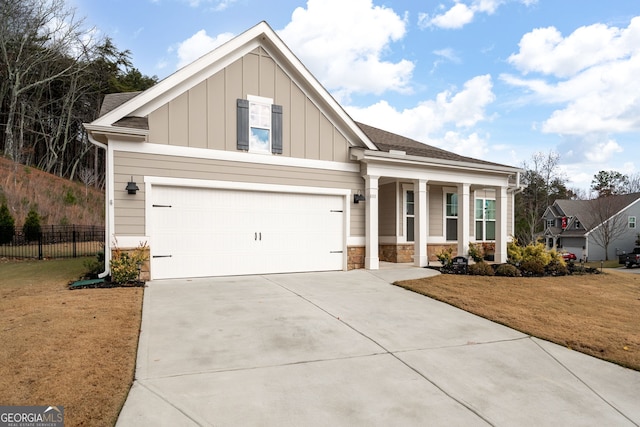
x=348, y=348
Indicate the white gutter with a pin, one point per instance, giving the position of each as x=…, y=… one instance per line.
x=108, y=225
x=383, y=156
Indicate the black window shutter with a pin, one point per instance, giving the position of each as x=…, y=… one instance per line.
x=243, y=124
x=276, y=129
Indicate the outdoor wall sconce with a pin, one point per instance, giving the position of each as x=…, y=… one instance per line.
x=131, y=187
x=358, y=197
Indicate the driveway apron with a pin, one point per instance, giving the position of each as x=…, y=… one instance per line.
x=350, y=349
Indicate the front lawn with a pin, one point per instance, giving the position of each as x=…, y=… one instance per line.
x=596, y=314
x=61, y=347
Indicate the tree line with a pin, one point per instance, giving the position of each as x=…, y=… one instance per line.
x=54, y=73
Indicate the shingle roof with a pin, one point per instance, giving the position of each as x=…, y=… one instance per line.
x=386, y=141
x=592, y=213
x=113, y=100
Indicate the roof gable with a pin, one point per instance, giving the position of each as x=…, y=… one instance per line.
x=261, y=35
x=592, y=213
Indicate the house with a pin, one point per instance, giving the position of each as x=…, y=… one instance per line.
x=595, y=229
x=242, y=163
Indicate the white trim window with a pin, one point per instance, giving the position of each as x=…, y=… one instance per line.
x=632, y=222
x=451, y=216
x=551, y=223
x=259, y=124
x=409, y=214
x=485, y=219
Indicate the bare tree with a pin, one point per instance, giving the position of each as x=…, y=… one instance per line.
x=634, y=183
x=609, y=224
x=34, y=36
x=88, y=177
x=544, y=184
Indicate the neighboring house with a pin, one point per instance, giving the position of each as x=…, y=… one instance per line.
x=245, y=164
x=585, y=227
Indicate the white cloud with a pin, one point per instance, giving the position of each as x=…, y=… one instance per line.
x=591, y=74
x=456, y=17
x=544, y=50
x=442, y=122
x=466, y=145
x=602, y=151
x=461, y=14
x=199, y=44
x=345, y=50
x=595, y=149
x=448, y=54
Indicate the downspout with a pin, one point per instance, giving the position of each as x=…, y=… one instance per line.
x=519, y=188
x=107, y=218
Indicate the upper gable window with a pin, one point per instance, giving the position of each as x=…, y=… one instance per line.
x=259, y=125
x=632, y=222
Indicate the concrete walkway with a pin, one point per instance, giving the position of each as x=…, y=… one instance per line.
x=349, y=349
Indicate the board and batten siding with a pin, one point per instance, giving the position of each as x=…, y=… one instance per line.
x=130, y=210
x=205, y=115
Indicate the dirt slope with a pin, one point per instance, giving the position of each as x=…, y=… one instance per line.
x=57, y=200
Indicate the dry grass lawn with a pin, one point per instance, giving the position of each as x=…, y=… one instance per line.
x=73, y=348
x=595, y=314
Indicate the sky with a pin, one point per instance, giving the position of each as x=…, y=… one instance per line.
x=499, y=80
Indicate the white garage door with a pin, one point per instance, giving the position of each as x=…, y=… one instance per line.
x=199, y=232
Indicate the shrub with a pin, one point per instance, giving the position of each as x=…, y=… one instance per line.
x=70, y=198
x=537, y=252
x=481, y=269
x=445, y=256
x=508, y=270
x=95, y=265
x=557, y=268
x=532, y=267
x=476, y=252
x=125, y=266
x=32, y=227
x=514, y=252
x=7, y=225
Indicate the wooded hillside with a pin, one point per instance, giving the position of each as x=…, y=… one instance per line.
x=54, y=74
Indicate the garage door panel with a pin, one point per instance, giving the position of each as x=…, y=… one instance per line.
x=211, y=232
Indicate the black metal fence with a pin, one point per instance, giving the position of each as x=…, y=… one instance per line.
x=53, y=241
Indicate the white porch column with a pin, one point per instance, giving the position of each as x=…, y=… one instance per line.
x=421, y=223
x=501, y=225
x=371, y=260
x=463, y=219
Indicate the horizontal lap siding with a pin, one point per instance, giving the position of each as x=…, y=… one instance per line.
x=436, y=211
x=129, y=210
x=387, y=211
